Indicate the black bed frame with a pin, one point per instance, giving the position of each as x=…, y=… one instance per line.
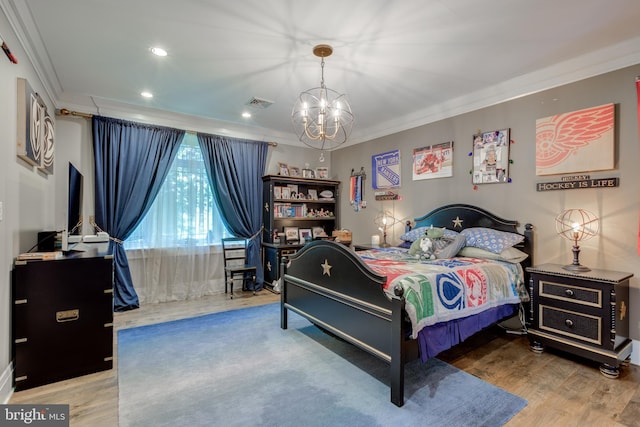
x=328, y=284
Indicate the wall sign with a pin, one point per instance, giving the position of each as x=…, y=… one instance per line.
x=574, y=183
x=386, y=169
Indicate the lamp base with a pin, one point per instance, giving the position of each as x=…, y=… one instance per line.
x=573, y=267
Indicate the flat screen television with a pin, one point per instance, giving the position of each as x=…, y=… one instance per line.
x=74, y=216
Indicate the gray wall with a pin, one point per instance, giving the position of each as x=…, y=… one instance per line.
x=615, y=247
x=32, y=202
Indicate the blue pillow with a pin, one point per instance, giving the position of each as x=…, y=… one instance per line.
x=491, y=240
x=416, y=233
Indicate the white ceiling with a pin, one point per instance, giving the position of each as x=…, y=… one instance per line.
x=402, y=63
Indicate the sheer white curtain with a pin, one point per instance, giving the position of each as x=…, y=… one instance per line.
x=174, y=253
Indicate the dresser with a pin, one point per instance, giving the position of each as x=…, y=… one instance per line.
x=62, y=318
x=586, y=314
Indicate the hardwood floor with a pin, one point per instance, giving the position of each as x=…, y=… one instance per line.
x=560, y=390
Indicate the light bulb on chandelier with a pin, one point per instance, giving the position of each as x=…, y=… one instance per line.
x=321, y=116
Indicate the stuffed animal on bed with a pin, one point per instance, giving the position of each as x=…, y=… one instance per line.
x=423, y=248
x=434, y=244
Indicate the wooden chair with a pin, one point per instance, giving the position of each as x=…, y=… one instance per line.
x=234, y=250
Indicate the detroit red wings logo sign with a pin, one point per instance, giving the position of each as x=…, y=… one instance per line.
x=573, y=142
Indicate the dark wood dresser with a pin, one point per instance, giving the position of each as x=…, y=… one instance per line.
x=586, y=314
x=62, y=318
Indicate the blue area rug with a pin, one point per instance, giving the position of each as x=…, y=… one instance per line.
x=238, y=368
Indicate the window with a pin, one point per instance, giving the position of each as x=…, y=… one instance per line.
x=185, y=212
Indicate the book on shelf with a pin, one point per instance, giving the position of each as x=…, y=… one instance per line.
x=289, y=210
x=40, y=255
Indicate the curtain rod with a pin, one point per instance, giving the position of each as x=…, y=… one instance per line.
x=66, y=112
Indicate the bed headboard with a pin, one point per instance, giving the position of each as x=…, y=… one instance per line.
x=459, y=216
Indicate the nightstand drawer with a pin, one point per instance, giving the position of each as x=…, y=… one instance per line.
x=571, y=324
x=577, y=294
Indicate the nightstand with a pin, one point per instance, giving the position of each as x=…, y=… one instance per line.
x=586, y=314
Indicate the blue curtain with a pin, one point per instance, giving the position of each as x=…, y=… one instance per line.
x=235, y=168
x=131, y=163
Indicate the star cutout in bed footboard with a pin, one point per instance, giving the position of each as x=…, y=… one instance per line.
x=326, y=268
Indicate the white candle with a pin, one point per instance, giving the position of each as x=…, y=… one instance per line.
x=375, y=239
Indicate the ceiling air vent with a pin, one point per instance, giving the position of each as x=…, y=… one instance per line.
x=259, y=103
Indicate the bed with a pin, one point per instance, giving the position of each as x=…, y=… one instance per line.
x=348, y=294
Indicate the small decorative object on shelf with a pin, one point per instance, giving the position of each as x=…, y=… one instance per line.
x=342, y=236
x=322, y=172
x=283, y=169
x=294, y=171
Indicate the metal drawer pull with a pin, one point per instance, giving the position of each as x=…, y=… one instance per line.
x=568, y=292
x=67, y=315
x=569, y=323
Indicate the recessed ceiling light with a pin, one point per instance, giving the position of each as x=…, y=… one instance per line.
x=158, y=51
x=146, y=94
x=246, y=114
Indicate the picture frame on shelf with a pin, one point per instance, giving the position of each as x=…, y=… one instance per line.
x=312, y=194
x=308, y=173
x=277, y=192
x=291, y=234
x=286, y=193
x=322, y=172
x=294, y=171
x=283, y=169
x=317, y=232
x=304, y=235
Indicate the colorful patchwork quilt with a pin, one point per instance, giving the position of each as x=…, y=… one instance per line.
x=444, y=289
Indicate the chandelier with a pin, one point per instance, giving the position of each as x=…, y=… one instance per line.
x=321, y=116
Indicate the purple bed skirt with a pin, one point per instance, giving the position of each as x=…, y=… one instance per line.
x=442, y=336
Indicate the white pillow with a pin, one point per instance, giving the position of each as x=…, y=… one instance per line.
x=511, y=254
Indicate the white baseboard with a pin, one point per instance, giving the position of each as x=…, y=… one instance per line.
x=635, y=352
x=6, y=384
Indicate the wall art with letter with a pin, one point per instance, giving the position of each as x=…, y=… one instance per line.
x=35, y=129
x=580, y=141
x=386, y=170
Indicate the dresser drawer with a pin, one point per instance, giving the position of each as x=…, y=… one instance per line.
x=577, y=294
x=571, y=324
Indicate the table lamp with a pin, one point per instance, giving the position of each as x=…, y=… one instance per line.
x=384, y=220
x=577, y=225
